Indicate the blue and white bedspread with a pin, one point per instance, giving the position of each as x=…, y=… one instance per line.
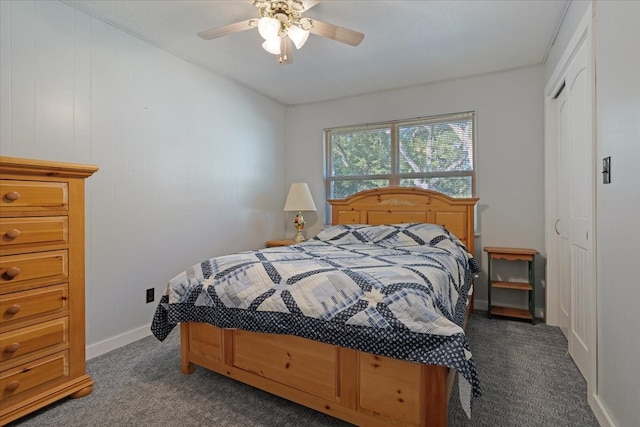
x=392, y=290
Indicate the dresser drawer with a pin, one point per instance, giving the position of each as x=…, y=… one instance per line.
x=42, y=289
x=50, y=230
x=50, y=265
x=33, y=195
x=36, y=302
x=14, y=382
x=23, y=341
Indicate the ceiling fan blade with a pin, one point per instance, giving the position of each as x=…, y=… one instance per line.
x=227, y=29
x=330, y=31
x=308, y=4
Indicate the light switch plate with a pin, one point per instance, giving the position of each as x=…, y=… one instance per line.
x=606, y=170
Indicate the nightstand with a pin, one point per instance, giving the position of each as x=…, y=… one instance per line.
x=282, y=242
x=512, y=254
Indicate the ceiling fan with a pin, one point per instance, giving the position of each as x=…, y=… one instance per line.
x=282, y=26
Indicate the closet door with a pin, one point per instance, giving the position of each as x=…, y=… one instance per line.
x=562, y=227
x=576, y=180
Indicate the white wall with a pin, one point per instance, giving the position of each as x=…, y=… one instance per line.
x=191, y=164
x=510, y=141
x=617, y=37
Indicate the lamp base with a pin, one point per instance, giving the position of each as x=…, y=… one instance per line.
x=299, y=224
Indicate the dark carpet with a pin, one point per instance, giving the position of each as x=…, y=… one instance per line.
x=526, y=374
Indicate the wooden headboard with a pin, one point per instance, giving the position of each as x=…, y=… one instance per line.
x=398, y=205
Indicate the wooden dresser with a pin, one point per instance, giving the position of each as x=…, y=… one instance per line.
x=42, y=297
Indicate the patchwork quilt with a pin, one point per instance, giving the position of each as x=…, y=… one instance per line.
x=393, y=290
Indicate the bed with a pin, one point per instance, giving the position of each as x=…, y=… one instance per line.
x=326, y=323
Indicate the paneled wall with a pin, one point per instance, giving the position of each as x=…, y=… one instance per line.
x=191, y=164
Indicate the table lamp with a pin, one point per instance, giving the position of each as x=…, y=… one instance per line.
x=299, y=199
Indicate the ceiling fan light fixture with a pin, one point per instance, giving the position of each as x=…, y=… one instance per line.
x=268, y=27
x=282, y=27
x=298, y=36
x=272, y=45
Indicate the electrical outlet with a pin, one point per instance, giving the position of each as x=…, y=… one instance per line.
x=150, y=295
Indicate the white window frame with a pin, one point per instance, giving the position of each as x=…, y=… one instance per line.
x=395, y=176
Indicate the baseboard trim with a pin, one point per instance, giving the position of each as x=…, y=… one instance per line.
x=599, y=410
x=102, y=347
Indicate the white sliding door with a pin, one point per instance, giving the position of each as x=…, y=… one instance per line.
x=582, y=185
x=561, y=225
x=571, y=189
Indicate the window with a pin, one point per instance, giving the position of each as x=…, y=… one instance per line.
x=435, y=153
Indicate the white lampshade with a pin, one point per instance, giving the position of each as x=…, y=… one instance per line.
x=268, y=27
x=299, y=198
x=298, y=36
x=272, y=45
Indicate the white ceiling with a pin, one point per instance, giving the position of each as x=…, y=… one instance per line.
x=406, y=42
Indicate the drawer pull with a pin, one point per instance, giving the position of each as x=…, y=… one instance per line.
x=12, y=272
x=13, y=233
x=12, y=195
x=12, y=348
x=13, y=309
x=12, y=386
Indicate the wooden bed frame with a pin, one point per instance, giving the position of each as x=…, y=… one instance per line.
x=358, y=387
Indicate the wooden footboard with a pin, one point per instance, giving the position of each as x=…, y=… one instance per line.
x=354, y=386
x=358, y=387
